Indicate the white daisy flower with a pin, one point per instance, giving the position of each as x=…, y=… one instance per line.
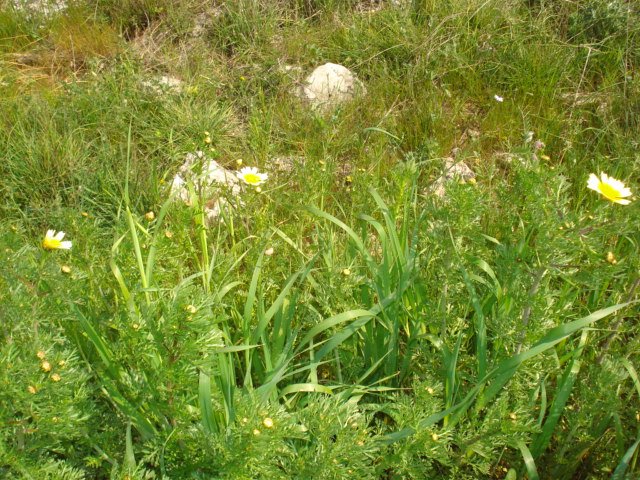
x=610, y=188
x=53, y=241
x=251, y=176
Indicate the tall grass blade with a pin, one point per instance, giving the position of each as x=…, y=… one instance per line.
x=541, y=442
x=129, y=457
x=503, y=372
x=206, y=406
x=621, y=469
x=480, y=325
x=529, y=462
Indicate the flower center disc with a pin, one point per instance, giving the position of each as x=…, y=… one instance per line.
x=251, y=178
x=608, y=191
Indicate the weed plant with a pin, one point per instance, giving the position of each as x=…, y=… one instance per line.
x=342, y=321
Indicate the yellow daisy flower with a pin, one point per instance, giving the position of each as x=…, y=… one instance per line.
x=53, y=241
x=251, y=176
x=610, y=188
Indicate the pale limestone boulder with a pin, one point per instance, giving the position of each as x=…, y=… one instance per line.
x=453, y=172
x=220, y=186
x=163, y=85
x=330, y=85
x=41, y=7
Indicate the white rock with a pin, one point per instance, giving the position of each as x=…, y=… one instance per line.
x=286, y=164
x=163, y=84
x=220, y=186
x=204, y=21
x=43, y=7
x=331, y=84
x=453, y=171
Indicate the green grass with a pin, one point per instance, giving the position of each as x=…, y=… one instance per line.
x=344, y=322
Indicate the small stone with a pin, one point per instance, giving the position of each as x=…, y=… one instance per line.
x=42, y=7
x=207, y=176
x=329, y=85
x=163, y=85
x=459, y=171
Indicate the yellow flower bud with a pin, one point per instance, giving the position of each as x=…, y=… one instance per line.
x=267, y=422
x=150, y=216
x=46, y=366
x=55, y=377
x=41, y=354
x=65, y=269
